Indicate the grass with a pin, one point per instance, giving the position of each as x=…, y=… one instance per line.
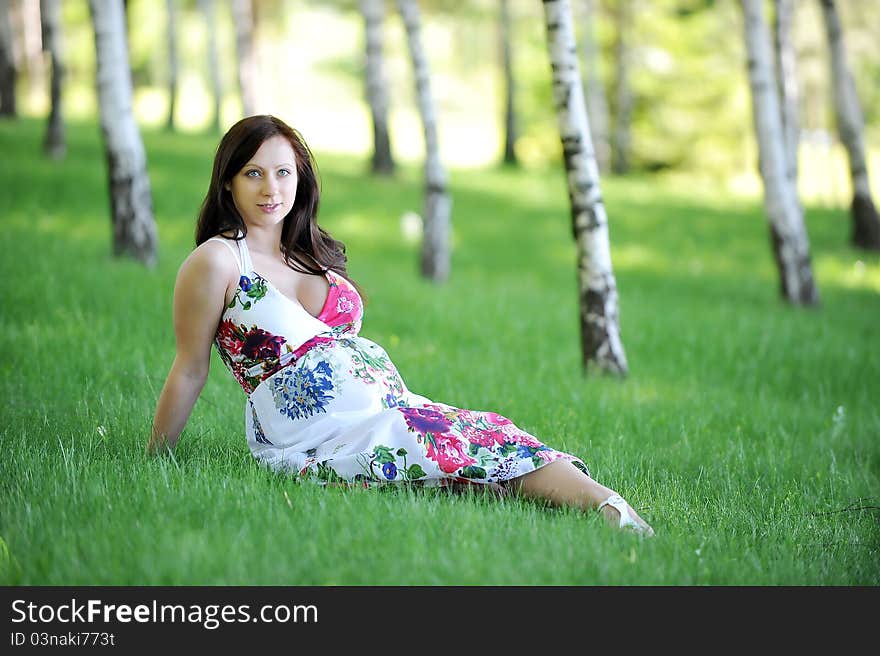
x=746, y=432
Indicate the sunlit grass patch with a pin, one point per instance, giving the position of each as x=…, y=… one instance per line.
x=745, y=431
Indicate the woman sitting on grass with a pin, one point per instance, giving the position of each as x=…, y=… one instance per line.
x=268, y=288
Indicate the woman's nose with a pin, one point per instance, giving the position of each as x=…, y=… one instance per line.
x=270, y=185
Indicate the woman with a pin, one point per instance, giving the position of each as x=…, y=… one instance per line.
x=268, y=288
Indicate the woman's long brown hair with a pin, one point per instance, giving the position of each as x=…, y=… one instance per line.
x=306, y=246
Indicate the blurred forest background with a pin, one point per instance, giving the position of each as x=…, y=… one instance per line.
x=746, y=432
x=686, y=74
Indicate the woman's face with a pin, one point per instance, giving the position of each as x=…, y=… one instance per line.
x=265, y=188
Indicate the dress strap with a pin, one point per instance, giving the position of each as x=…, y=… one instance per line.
x=238, y=256
x=246, y=263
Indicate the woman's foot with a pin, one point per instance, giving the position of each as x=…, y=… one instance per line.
x=621, y=515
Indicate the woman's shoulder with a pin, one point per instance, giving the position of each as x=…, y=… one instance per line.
x=213, y=257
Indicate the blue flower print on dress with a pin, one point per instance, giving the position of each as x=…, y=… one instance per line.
x=253, y=291
x=389, y=471
x=300, y=392
x=259, y=435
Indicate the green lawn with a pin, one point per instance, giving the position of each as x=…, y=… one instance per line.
x=746, y=432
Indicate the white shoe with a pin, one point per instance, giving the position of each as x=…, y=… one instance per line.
x=626, y=519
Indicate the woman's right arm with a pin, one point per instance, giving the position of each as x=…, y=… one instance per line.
x=199, y=300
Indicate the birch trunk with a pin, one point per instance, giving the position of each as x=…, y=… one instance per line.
x=438, y=205
x=600, y=330
x=54, y=143
x=134, y=230
x=848, y=112
x=788, y=233
x=32, y=48
x=8, y=71
x=173, y=63
x=209, y=10
x=243, y=13
x=594, y=90
x=377, y=86
x=510, y=131
x=623, y=99
x=786, y=76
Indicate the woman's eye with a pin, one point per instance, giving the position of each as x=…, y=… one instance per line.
x=253, y=173
x=283, y=172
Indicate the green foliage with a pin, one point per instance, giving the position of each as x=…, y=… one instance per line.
x=688, y=74
x=745, y=432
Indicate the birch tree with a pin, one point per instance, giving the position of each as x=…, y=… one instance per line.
x=786, y=77
x=173, y=63
x=510, y=129
x=788, y=233
x=31, y=43
x=601, y=345
x=438, y=205
x=8, y=71
x=594, y=89
x=243, y=13
x=373, y=12
x=209, y=10
x=134, y=230
x=54, y=143
x=848, y=112
x=623, y=96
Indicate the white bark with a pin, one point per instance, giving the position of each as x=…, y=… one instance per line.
x=597, y=102
x=173, y=63
x=209, y=9
x=243, y=14
x=134, y=230
x=600, y=330
x=623, y=97
x=510, y=129
x=788, y=232
x=32, y=48
x=438, y=205
x=786, y=76
x=848, y=112
x=377, y=86
x=8, y=71
x=50, y=14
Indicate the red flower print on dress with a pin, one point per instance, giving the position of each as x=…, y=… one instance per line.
x=229, y=337
x=239, y=373
x=548, y=456
x=484, y=437
x=448, y=452
x=522, y=438
x=306, y=346
x=261, y=345
x=496, y=419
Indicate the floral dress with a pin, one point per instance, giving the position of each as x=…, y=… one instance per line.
x=330, y=406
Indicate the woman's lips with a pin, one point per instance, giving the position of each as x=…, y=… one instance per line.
x=268, y=208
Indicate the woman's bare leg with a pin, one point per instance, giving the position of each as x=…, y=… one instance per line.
x=563, y=484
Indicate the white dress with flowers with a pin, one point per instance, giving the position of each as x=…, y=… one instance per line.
x=330, y=406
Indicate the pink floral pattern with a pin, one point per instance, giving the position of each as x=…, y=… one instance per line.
x=330, y=406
